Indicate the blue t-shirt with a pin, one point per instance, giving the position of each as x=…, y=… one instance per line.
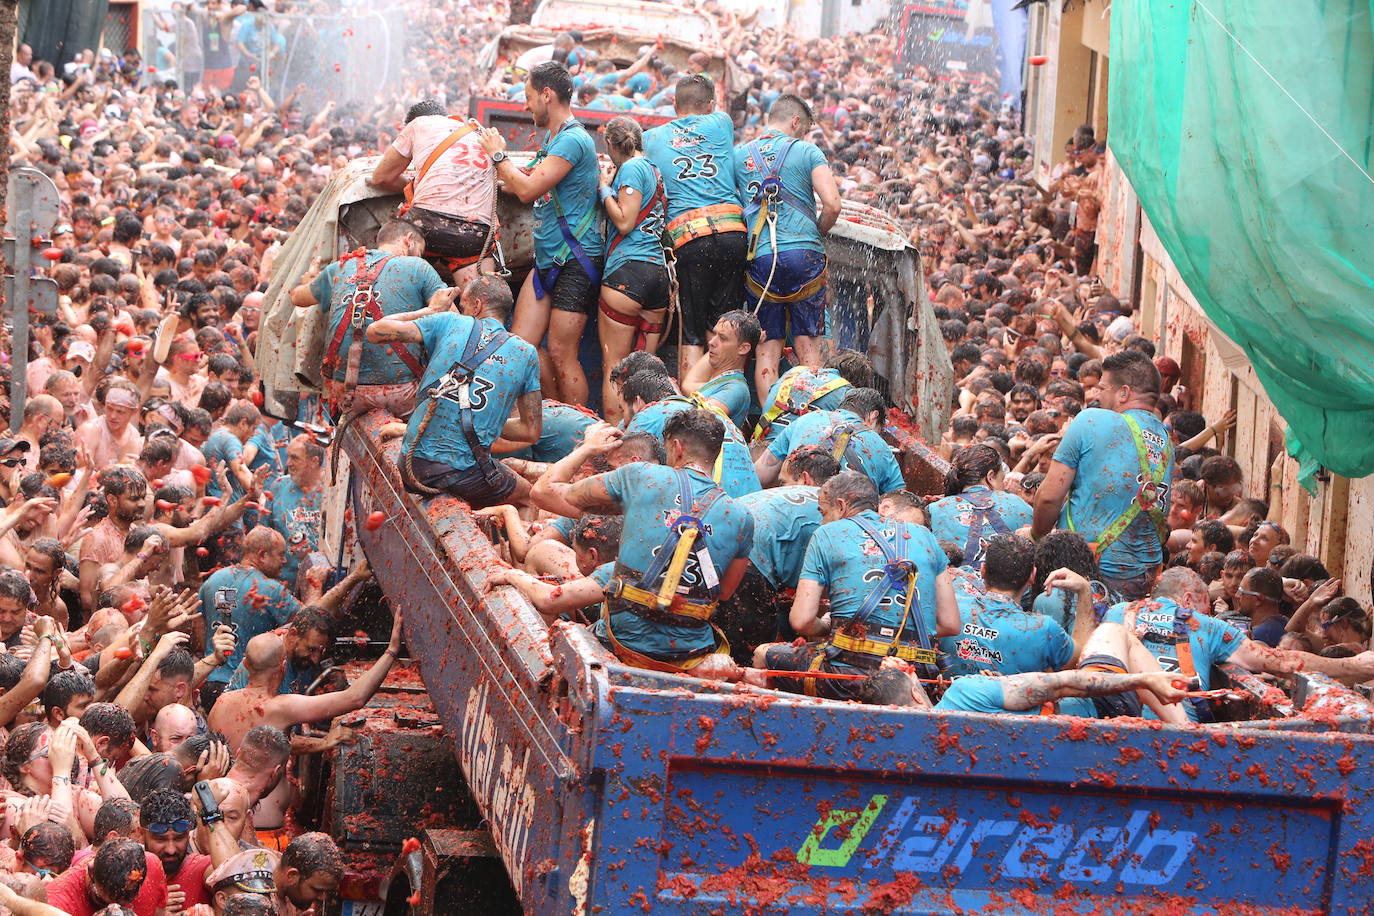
x=576, y=194
x=1099, y=447
x=509, y=373
x=996, y=635
x=1210, y=640
x=650, y=499
x=733, y=392
x=802, y=384
x=696, y=156
x=849, y=565
x=404, y=285
x=296, y=515
x=266, y=440
x=219, y=449
x=784, y=520
x=819, y=427
x=642, y=243
x=561, y=432
x=951, y=518
x=976, y=693
x=257, y=604
x=795, y=228
x=737, y=475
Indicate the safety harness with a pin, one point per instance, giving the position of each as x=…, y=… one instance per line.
x=987, y=521
x=544, y=280
x=840, y=440
x=364, y=307
x=1150, y=496
x=1183, y=626
x=466, y=128
x=703, y=221
x=643, y=327
x=454, y=264
x=654, y=595
x=762, y=213
x=455, y=386
x=783, y=403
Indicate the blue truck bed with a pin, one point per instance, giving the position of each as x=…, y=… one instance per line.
x=614, y=790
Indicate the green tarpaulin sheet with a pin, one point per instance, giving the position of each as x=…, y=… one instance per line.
x=1245, y=128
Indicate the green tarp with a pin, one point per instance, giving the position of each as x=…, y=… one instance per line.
x=1245, y=128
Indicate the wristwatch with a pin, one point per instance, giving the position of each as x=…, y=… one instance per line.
x=498, y=157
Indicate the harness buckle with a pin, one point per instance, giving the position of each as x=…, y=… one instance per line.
x=450, y=387
x=361, y=300
x=899, y=571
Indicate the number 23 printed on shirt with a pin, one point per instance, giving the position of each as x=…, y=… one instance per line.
x=702, y=165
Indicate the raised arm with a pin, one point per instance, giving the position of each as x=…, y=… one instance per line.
x=287, y=710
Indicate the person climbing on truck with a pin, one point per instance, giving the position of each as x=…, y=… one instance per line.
x=358, y=289
x=634, y=291
x=695, y=154
x=779, y=176
x=477, y=373
x=595, y=543
x=976, y=509
x=717, y=378
x=1110, y=477
x=684, y=548
x=852, y=434
x=889, y=594
x=805, y=388
x=562, y=181
x=452, y=198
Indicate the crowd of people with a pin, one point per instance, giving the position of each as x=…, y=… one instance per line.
x=734, y=512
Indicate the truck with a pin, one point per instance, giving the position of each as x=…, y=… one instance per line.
x=527, y=770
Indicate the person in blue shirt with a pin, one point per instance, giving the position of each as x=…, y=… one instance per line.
x=634, y=291
x=477, y=374
x=875, y=610
x=653, y=499
x=1110, y=477
x=695, y=155
x=561, y=292
x=851, y=433
x=400, y=281
x=977, y=509
x=779, y=177
x=718, y=377
x=294, y=506
x=805, y=388
x=1027, y=694
x=307, y=639
x=267, y=447
x=995, y=633
x=561, y=430
x=785, y=517
x=652, y=400
x=595, y=541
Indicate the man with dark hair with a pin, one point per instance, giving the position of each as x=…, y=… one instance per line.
x=695, y=155
x=1109, y=479
x=779, y=176
x=45, y=561
x=120, y=872
x=1260, y=599
x=562, y=290
x=805, y=388
x=307, y=638
x=167, y=821
x=67, y=695
x=1222, y=483
x=452, y=198
x=477, y=373
x=296, y=500
x=310, y=869
x=684, y=548
x=112, y=729
x=889, y=591
x=126, y=495
x=852, y=433
x=357, y=290
x=259, y=768
x=717, y=378
x=1210, y=534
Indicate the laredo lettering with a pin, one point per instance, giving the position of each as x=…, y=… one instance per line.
x=498, y=778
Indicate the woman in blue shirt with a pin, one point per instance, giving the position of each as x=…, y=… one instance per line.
x=976, y=508
x=634, y=288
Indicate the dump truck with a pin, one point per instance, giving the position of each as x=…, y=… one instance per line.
x=518, y=767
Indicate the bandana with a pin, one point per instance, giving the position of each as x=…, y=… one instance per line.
x=120, y=397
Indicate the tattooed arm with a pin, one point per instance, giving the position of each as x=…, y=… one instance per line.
x=1027, y=691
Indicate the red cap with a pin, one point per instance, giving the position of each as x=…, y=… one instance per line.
x=1167, y=367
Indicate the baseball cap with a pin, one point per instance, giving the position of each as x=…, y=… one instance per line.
x=8, y=445
x=1168, y=367
x=81, y=349
x=250, y=871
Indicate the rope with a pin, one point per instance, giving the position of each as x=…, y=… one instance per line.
x=773, y=243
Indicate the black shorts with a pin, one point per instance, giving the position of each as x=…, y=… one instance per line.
x=750, y=617
x=1114, y=704
x=448, y=236
x=573, y=290
x=710, y=279
x=487, y=484
x=641, y=281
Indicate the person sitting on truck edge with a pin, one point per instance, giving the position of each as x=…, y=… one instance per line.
x=889, y=590
x=684, y=548
x=695, y=154
x=779, y=176
x=976, y=508
x=477, y=373
x=452, y=199
x=805, y=388
x=1109, y=479
x=634, y=290
x=651, y=400
x=852, y=434
x=785, y=517
x=1177, y=608
x=718, y=377
x=595, y=543
x=357, y=290
x=562, y=185
x=995, y=633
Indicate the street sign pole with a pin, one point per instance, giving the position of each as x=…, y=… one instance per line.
x=34, y=207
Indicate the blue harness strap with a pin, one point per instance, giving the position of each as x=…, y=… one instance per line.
x=840, y=440
x=454, y=384
x=544, y=280
x=1183, y=649
x=985, y=515
x=693, y=515
x=898, y=572
x=771, y=186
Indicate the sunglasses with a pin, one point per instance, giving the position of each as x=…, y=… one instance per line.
x=189, y=357
x=11, y=462
x=180, y=825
